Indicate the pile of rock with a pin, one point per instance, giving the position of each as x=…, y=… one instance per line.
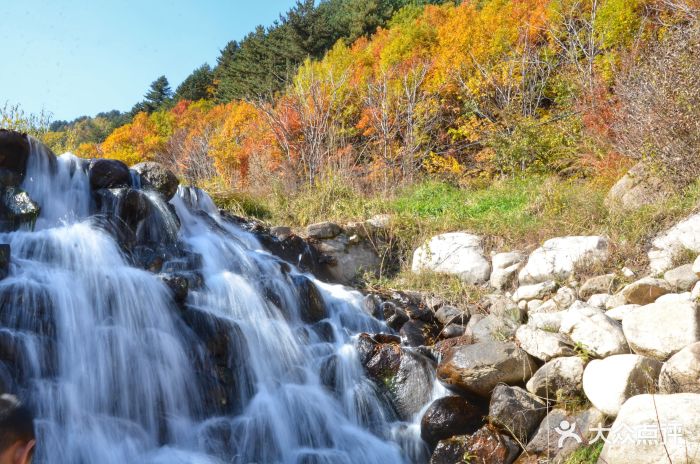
x=543, y=353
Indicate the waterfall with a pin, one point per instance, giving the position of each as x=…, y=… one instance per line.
x=256, y=365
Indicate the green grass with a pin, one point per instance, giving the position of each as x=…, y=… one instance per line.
x=586, y=454
x=516, y=213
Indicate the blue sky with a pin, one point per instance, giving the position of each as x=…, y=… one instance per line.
x=75, y=57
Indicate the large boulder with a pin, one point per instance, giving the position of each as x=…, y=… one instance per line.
x=403, y=375
x=505, y=269
x=478, y=368
x=543, y=345
x=14, y=153
x=347, y=257
x=592, y=330
x=681, y=373
x=486, y=446
x=516, y=412
x=17, y=209
x=659, y=330
x=557, y=258
x=641, y=185
x=548, y=444
x=157, y=177
x=558, y=378
x=652, y=429
x=107, y=174
x=449, y=416
x=323, y=230
x=456, y=253
x=645, y=291
x=667, y=246
x=609, y=382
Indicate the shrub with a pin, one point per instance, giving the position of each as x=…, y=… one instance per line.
x=659, y=114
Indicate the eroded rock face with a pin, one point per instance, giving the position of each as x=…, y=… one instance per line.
x=107, y=174
x=557, y=258
x=609, y=382
x=157, y=177
x=659, y=330
x=681, y=373
x=456, y=253
x=680, y=412
x=478, y=368
x=449, y=416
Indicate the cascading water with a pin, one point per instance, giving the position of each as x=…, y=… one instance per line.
x=119, y=372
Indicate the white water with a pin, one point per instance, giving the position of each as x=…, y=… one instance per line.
x=112, y=369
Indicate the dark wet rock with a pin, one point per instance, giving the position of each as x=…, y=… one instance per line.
x=452, y=330
x=4, y=260
x=486, y=446
x=221, y=363
x=449, y=314
x=420, y=313
x=311, y=305
x=9, y=178
x=478, y=368
x=323, y=230
x=178, y=285
x=442, y=347
x=413, y=333
x=126, y=204
x=14, y=153
x=36, y=302
x=293, y=249
x=516, y=412
x=281, y=232
x=328, y=373
x=404, y=376
x=157, y=177
x=394, y=316
x=449, y=416
x=17, y=209
x=108, y=174
x=371, y=304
